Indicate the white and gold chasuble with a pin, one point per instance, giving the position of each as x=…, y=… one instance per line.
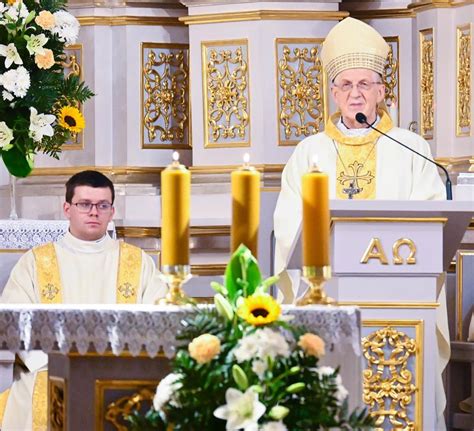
x=71, y=271
x=388, y=171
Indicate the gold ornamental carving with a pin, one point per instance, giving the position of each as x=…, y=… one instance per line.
x=375, y=251
x=71, y=61
x=391, y=74
x=165, y=88
x=117, y=410
x=463, y=81
x=57, y=403
x=300, y=89
x=226, y=93
x=427, y=83
x=397, y=259
x=392, y=376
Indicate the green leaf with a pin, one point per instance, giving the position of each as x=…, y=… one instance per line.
x=16, y=162
x=242, y=274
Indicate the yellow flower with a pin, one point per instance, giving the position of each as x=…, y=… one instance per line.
x=71, y=119
x=259, y=310
x=204, y=348
x=45, y=20
x=46, y=60
x=312, y=344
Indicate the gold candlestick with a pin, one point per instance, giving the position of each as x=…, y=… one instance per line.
x=175, y=276
x=316, y=276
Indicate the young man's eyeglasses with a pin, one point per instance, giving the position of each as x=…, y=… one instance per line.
x=86, y=207
x=361, y=86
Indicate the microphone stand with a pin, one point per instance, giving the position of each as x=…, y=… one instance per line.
x=362, y=119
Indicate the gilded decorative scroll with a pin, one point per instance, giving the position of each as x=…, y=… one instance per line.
x=300, y=90
x=426, y=38
x=226, y=93
x=164, y=96
x=391, y=76
x=463, y=80
x=72, y=63
x=392, y=378
x=115, y=399
x=57, y=403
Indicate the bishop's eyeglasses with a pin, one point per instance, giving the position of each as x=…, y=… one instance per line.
x=86, y=207
x=361, y=86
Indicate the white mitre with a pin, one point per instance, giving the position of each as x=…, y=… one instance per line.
x=353, y=44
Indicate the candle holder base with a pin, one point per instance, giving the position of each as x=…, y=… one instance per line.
x=175, y=276
x=315, y=277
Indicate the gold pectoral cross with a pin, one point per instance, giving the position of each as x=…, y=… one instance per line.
x=355, y=178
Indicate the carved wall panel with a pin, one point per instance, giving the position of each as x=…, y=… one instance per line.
x=300, y=89
x=393, y=374
x=164, y=96
x=72, y=63
x=427, y=96
x=463, y=80
x=226, y=93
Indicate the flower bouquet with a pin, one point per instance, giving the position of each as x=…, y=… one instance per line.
x=243, y=365
x=38, y=104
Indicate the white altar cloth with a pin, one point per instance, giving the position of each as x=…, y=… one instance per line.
x=137, y=328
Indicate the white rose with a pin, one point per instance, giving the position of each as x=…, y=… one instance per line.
x=6, y=136
x=67, y=27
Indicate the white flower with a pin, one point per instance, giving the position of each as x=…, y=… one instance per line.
x=35, y=43
x=259, y=367
x=16, y=81
x=11, y=54
x=67, y=27
x=341, y=393
x=6, y=136
x=40, y=125
x=262, y=344
x=17, y=10
x=7, y=96
x=274, y=426
x=242, y=410
x=165, y=390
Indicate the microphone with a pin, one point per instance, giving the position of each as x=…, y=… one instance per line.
x=362, y=119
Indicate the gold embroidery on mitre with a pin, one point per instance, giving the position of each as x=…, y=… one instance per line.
x=129, y=271
x=3, y=403
x=48, y=275
x=40, y=402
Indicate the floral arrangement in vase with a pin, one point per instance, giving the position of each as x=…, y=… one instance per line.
x=244, y=366
x=39, y=105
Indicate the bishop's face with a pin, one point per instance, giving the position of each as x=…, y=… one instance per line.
x=89, y=225
x=357, y=90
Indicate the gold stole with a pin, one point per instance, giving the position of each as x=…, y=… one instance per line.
x=50, y=288
x=357, y=160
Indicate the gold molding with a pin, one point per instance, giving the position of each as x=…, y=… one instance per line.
x=228, y=98
x=155, y=232
x=108, y=170
x=260, y=15
x=224, y=169
x=375, y=304
x=208, y=269
x=427, y=55
x=463, y=79
x=419, y=353
x=129, y=20
x=13, y=250
x=390, y=219
x=178, y=95
x=391, y=76
x=383, y=13
x=102, y=385
x=459, y=289
x=445, y=161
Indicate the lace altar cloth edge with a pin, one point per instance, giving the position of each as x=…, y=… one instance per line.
x=142, y=328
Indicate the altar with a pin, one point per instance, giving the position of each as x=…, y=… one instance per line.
x=105, y=361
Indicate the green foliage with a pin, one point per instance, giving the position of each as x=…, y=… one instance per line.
x=292, y=387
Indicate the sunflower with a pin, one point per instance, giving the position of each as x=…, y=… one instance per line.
x=259, y=310
x=71, y=119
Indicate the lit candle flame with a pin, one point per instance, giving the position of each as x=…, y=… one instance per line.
x=315, y=160
x=246, y=158
x=175, y=156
